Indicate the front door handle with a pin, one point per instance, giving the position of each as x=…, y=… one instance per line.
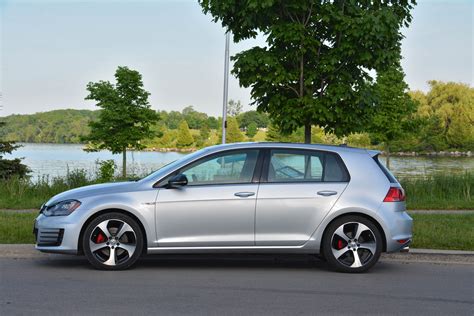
x=327, y=193
x=244, y=194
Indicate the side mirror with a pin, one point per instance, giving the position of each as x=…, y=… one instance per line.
x=178, y=180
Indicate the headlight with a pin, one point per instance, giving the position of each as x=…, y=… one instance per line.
x=62, y=208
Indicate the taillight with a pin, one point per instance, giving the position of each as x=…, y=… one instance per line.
x=395, y=194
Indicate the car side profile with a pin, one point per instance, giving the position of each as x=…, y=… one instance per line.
x=335, y=201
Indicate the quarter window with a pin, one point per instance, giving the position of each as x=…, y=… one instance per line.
x=233, y=167
x=301, y=165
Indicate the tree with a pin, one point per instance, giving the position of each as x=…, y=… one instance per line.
x=234, y=108
x=260, y=119
x=204, y=133
x=126, y=117
x=194, y=118
x=316, y=66
x=185, y=139
x=10, y=167
x=394, y=108
x=212, y=122
x=173, y=120
x=453, y=104
x=252, y=130
x=233, y=133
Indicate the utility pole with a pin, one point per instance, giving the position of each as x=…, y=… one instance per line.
x=226, y=86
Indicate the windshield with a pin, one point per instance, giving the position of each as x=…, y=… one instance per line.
x=172, y=165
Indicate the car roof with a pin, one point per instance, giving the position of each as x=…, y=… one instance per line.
x=333, y=148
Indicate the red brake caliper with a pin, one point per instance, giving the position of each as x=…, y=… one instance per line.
x=340, y=244
x=100, y=238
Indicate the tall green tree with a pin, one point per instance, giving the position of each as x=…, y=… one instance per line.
x=394, y=109
x=316, y=66
x=233, y=133
x=125, y=118
x=453, y=105
x=252, y=130
x=185, y=139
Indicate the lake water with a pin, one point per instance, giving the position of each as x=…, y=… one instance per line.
x=55, y=159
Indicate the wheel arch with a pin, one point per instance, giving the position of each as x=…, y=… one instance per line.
x=111, y=210
x=368, y=217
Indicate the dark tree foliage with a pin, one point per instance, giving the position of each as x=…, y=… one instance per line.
x=10, y=167
x=316, y=66
x=246, y=118
x=393, y=117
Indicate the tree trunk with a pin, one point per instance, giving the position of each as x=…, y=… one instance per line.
x=124, y=163
x=307, y=133
x=387, y=153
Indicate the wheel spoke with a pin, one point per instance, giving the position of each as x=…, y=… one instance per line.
x=112, y=260
x=123, y=229
x=94, y=247
x=371, y=246
x=360, y=228
x=340, y=233
x=338, y=253
x=104, y=229
x=356, y=263
x=130, y=249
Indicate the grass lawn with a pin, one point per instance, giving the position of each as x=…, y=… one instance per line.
x=16, y=228
x=432, y=231
x=443, y=231
x=440, y=192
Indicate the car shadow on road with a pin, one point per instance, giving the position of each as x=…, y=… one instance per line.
x=201, y=261
x=210, y=261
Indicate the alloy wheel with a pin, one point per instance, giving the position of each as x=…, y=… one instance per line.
x=113, y=242
x=353, y=244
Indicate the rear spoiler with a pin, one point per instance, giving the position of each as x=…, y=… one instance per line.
x=373, y=153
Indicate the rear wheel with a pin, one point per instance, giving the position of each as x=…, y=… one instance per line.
x=352, y=244
x=113, y=241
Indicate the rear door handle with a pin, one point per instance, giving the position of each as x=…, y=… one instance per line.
x=327, y=193
x=244, y=194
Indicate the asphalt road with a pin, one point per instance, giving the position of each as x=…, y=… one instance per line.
x=232, y=285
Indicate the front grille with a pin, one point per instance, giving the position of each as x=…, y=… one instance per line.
x=49, y=237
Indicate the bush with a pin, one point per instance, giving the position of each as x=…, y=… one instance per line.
x=106, y=170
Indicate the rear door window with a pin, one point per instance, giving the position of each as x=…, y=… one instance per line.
x=287, y=165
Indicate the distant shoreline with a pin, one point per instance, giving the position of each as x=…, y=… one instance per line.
x=444, y=153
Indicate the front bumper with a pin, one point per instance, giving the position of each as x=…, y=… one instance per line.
x=56, y=234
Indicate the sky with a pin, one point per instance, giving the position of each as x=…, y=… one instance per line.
x=51, y=49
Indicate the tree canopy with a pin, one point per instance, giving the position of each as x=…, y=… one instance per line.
x=393, y=115
x=185, y=139
x=448, y=110
x=126, y=117
x=316, y=66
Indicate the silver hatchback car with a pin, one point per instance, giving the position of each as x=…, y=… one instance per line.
x=338, y=202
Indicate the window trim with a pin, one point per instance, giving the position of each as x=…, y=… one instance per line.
x=254, y=180
x=267, y=158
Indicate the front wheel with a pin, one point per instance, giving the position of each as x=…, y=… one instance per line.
x=352, y=244
x=113, y=241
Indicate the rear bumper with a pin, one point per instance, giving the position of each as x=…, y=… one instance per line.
x=398, y=226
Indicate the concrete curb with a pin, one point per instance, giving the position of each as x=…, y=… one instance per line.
x=441, y=252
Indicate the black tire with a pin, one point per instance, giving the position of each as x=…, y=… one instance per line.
x=346, y=261
x=121, y=258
